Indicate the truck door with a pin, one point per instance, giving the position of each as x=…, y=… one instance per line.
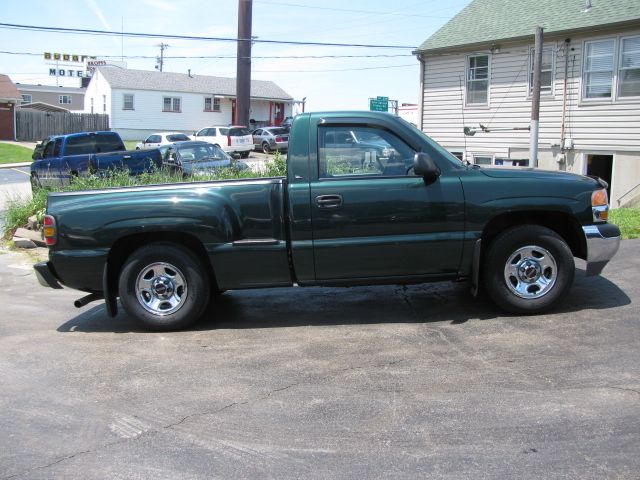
x=372, y=217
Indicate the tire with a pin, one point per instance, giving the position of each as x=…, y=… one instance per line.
x=244, y=154
x=164, y=287
x=35, y=183
x=266, y=148
x=528, y=269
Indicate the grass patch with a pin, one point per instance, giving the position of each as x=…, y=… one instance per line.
x=628, y=219
x=10, y=153
x=18, y=211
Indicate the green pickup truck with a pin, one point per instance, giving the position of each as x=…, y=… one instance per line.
x=368, y=199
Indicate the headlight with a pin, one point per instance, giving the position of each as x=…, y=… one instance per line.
x=600, y=205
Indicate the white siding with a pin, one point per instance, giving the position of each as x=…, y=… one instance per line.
x=605, y=126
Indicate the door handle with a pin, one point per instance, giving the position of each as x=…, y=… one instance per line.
x=329, y=201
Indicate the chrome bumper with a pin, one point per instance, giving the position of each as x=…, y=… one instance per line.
x=603, y=241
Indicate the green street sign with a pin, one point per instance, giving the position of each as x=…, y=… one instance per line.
x=379, y=104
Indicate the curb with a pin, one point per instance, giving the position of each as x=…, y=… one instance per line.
x=14, y=165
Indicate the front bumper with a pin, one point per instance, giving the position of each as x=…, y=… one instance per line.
x=46, y=276
x=603, y=241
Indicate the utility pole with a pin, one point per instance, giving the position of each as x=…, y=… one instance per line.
x=160, y=59
x=243, y=76
x=535, y=100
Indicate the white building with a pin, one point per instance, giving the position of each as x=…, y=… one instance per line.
x=140, y=102
x=477, y=71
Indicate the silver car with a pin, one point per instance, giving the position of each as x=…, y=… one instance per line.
x=269, y=139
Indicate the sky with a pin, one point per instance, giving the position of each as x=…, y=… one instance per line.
x=327, y=83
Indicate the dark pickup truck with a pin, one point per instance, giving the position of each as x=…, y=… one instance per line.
x=394, y=209
x=60, y=157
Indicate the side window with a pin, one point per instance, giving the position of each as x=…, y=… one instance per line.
x=48, y=150
x=56, y=148
x=363, y=152
x=258, y=132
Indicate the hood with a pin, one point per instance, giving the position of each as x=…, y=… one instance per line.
x=534, y=173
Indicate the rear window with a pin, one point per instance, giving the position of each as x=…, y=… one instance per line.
x=279, y=131
x=239, y=131
x=81, y=145
x=224, y=131
x=108, y=143
x=178, y=137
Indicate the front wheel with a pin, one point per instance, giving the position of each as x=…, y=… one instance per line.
x=528, y=269
x=164, y=287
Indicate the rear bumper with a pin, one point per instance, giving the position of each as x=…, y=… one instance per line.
x=46, y=276
x=603, y=242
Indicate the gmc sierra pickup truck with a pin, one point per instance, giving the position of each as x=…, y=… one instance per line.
x=60, y=157
x=391, y=208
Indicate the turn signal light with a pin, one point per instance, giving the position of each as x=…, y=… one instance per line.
x=599, y=197
x=49, y=230
x=600, y=205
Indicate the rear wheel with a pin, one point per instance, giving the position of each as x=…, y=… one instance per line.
x=266, y=148
x=164, y=287
x=528, y=269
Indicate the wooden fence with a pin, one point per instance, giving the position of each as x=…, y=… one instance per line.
x=33, y=126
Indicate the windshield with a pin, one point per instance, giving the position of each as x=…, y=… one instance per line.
x=437, y=147
x=178, y=137
x=202, y=153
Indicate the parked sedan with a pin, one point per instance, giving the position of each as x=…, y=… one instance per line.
x=156, y=140
x=195, y=158
x=268, y=139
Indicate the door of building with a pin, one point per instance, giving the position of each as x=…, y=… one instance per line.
x=601, y=166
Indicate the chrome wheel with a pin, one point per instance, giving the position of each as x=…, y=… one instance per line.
x=161, y=288
x=530, y=272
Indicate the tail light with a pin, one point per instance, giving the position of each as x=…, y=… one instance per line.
x=279, y=139
x=49, y=231
x=229, y=140
x=600, y=205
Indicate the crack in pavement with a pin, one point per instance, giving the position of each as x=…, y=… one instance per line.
x=624, y=389
x=187, y=417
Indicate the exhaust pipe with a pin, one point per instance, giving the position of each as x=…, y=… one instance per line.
x=92, y=297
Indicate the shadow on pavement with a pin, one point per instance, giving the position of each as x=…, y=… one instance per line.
x=319, y=306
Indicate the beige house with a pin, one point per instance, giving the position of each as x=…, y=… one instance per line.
x=67, y=98
x=476, y=72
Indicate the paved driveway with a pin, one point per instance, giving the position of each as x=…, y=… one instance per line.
x=371, y=382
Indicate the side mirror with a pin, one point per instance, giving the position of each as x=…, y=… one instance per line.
x=424, y=166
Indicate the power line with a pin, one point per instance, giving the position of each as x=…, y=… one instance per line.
x=177, y=57
x=84, y=31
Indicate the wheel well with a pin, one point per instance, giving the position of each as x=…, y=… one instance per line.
x=563, y=224
x=125, y=246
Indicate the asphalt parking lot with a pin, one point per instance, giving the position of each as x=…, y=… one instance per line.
x=369, y=382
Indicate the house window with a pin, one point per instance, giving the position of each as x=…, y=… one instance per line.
x=64, y=99
x=458, y=155
x=598, y=69
x=211, y=104
x=171, y=104
x=482, y=159
x=26, y=98
x=546, y=70
x=127, y=101
x=477, y=80
x=629, y=70
x=104, y=104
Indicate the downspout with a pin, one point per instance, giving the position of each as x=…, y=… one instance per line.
x=421, y=95
x=564, y=93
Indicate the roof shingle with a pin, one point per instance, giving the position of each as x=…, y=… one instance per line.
x=122, y=78
x=484, y=21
